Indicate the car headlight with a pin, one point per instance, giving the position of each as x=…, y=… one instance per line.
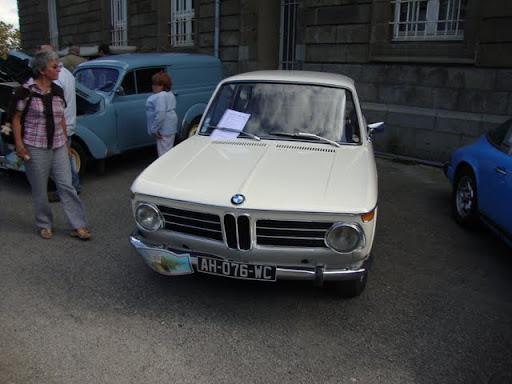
x=345, y=237
x=148, y=217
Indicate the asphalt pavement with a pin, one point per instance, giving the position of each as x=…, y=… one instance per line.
x=437, y=308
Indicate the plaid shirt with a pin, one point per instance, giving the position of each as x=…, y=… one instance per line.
x=34, y=133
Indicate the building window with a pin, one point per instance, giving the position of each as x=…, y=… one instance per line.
x=181, y=27
x=288, y=48
x=428, y=19
x=52, y=24
x=119, y=23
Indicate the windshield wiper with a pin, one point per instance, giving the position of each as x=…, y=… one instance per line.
x=305, y=135
x=236, y=131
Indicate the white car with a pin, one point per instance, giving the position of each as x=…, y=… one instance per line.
x=279, y=182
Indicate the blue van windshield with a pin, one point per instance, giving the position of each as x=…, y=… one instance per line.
x=101, y=79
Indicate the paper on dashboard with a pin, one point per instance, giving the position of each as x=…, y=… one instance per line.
x=232, y=120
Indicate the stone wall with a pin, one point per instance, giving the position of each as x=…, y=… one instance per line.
x=429, y=110
x=79, y=22
x=434, y=96
x=143, y=25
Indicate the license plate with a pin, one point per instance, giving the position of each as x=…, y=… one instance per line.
x=236, y=270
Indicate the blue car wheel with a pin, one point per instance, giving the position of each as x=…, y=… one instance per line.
x=465, y=198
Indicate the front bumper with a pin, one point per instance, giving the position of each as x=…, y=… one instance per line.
x=172, y=261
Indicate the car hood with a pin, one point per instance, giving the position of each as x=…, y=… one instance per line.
x=15, y=67
x=88, y=94
x=272, y=175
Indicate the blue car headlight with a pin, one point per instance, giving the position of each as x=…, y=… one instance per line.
x=345, y=237
x=148, y=217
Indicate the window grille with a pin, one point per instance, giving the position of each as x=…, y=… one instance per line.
x=52, y=24
x=181, y=27
x=119, y=23
x=429, y=19
x=288, y=35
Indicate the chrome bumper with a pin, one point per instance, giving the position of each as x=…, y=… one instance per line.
x=318, y=274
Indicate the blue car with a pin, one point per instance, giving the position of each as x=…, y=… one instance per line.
x=481, y=178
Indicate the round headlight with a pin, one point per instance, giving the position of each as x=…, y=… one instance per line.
x=344, y=237
x=148, y=217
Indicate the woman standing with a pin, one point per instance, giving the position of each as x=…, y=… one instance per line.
x=161, y=117
x=41, y=141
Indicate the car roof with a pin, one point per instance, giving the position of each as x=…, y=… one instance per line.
x=129, y=61
x=299, y=77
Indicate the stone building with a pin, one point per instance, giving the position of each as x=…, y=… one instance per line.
x=438, y=72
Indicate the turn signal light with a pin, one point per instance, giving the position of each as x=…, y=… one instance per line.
x=366, y=217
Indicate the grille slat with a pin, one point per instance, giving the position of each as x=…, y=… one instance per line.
x=235, y=230
x=192, y=223
x=291, y=233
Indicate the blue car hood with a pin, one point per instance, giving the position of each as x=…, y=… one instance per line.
x=88, y=94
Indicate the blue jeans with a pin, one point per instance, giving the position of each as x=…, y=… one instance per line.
x=54, y=162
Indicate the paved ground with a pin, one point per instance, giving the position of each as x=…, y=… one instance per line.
x=437, y=309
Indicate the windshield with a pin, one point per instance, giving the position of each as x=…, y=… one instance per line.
x=282, y=110
x=102, y=79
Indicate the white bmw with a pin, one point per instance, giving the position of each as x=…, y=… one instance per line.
x=279, y=182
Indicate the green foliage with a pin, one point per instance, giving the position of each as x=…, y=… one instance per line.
x=9, y=39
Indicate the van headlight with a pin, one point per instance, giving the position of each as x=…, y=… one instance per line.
x=345, y=237
x=148, y=217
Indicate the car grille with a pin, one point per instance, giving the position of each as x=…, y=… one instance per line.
x=193, y=223
x=237, y=229
x=291, y=233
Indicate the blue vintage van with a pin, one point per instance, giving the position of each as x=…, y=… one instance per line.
x=111, y=96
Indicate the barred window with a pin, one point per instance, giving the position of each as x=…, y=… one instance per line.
x=288, y=35
x=119, y=23
x=428, y=19
x=181, y=27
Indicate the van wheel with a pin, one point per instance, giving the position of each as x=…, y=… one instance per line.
x=79, y=157
x=193, y=129
x=348, y=289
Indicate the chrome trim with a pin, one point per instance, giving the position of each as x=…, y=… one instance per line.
x=236, y=216
x=317, y=274
x=357, y=227
x=155, y=208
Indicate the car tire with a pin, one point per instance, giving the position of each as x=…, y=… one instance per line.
x=348, y=289
x=193, y=129
x=79, y=156
x=465, y=198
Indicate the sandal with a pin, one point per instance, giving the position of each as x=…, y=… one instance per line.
x=81, y=233
x=45, y=233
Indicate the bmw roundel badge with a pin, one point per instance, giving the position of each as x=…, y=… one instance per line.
x=237, y=199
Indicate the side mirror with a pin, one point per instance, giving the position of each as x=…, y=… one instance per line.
x=120, y=91
x=375, y=128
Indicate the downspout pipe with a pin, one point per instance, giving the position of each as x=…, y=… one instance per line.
x=217, y=28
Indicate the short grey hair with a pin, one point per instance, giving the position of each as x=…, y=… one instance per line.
x=40, y=60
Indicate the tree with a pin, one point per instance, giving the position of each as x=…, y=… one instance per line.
x=9, y=39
